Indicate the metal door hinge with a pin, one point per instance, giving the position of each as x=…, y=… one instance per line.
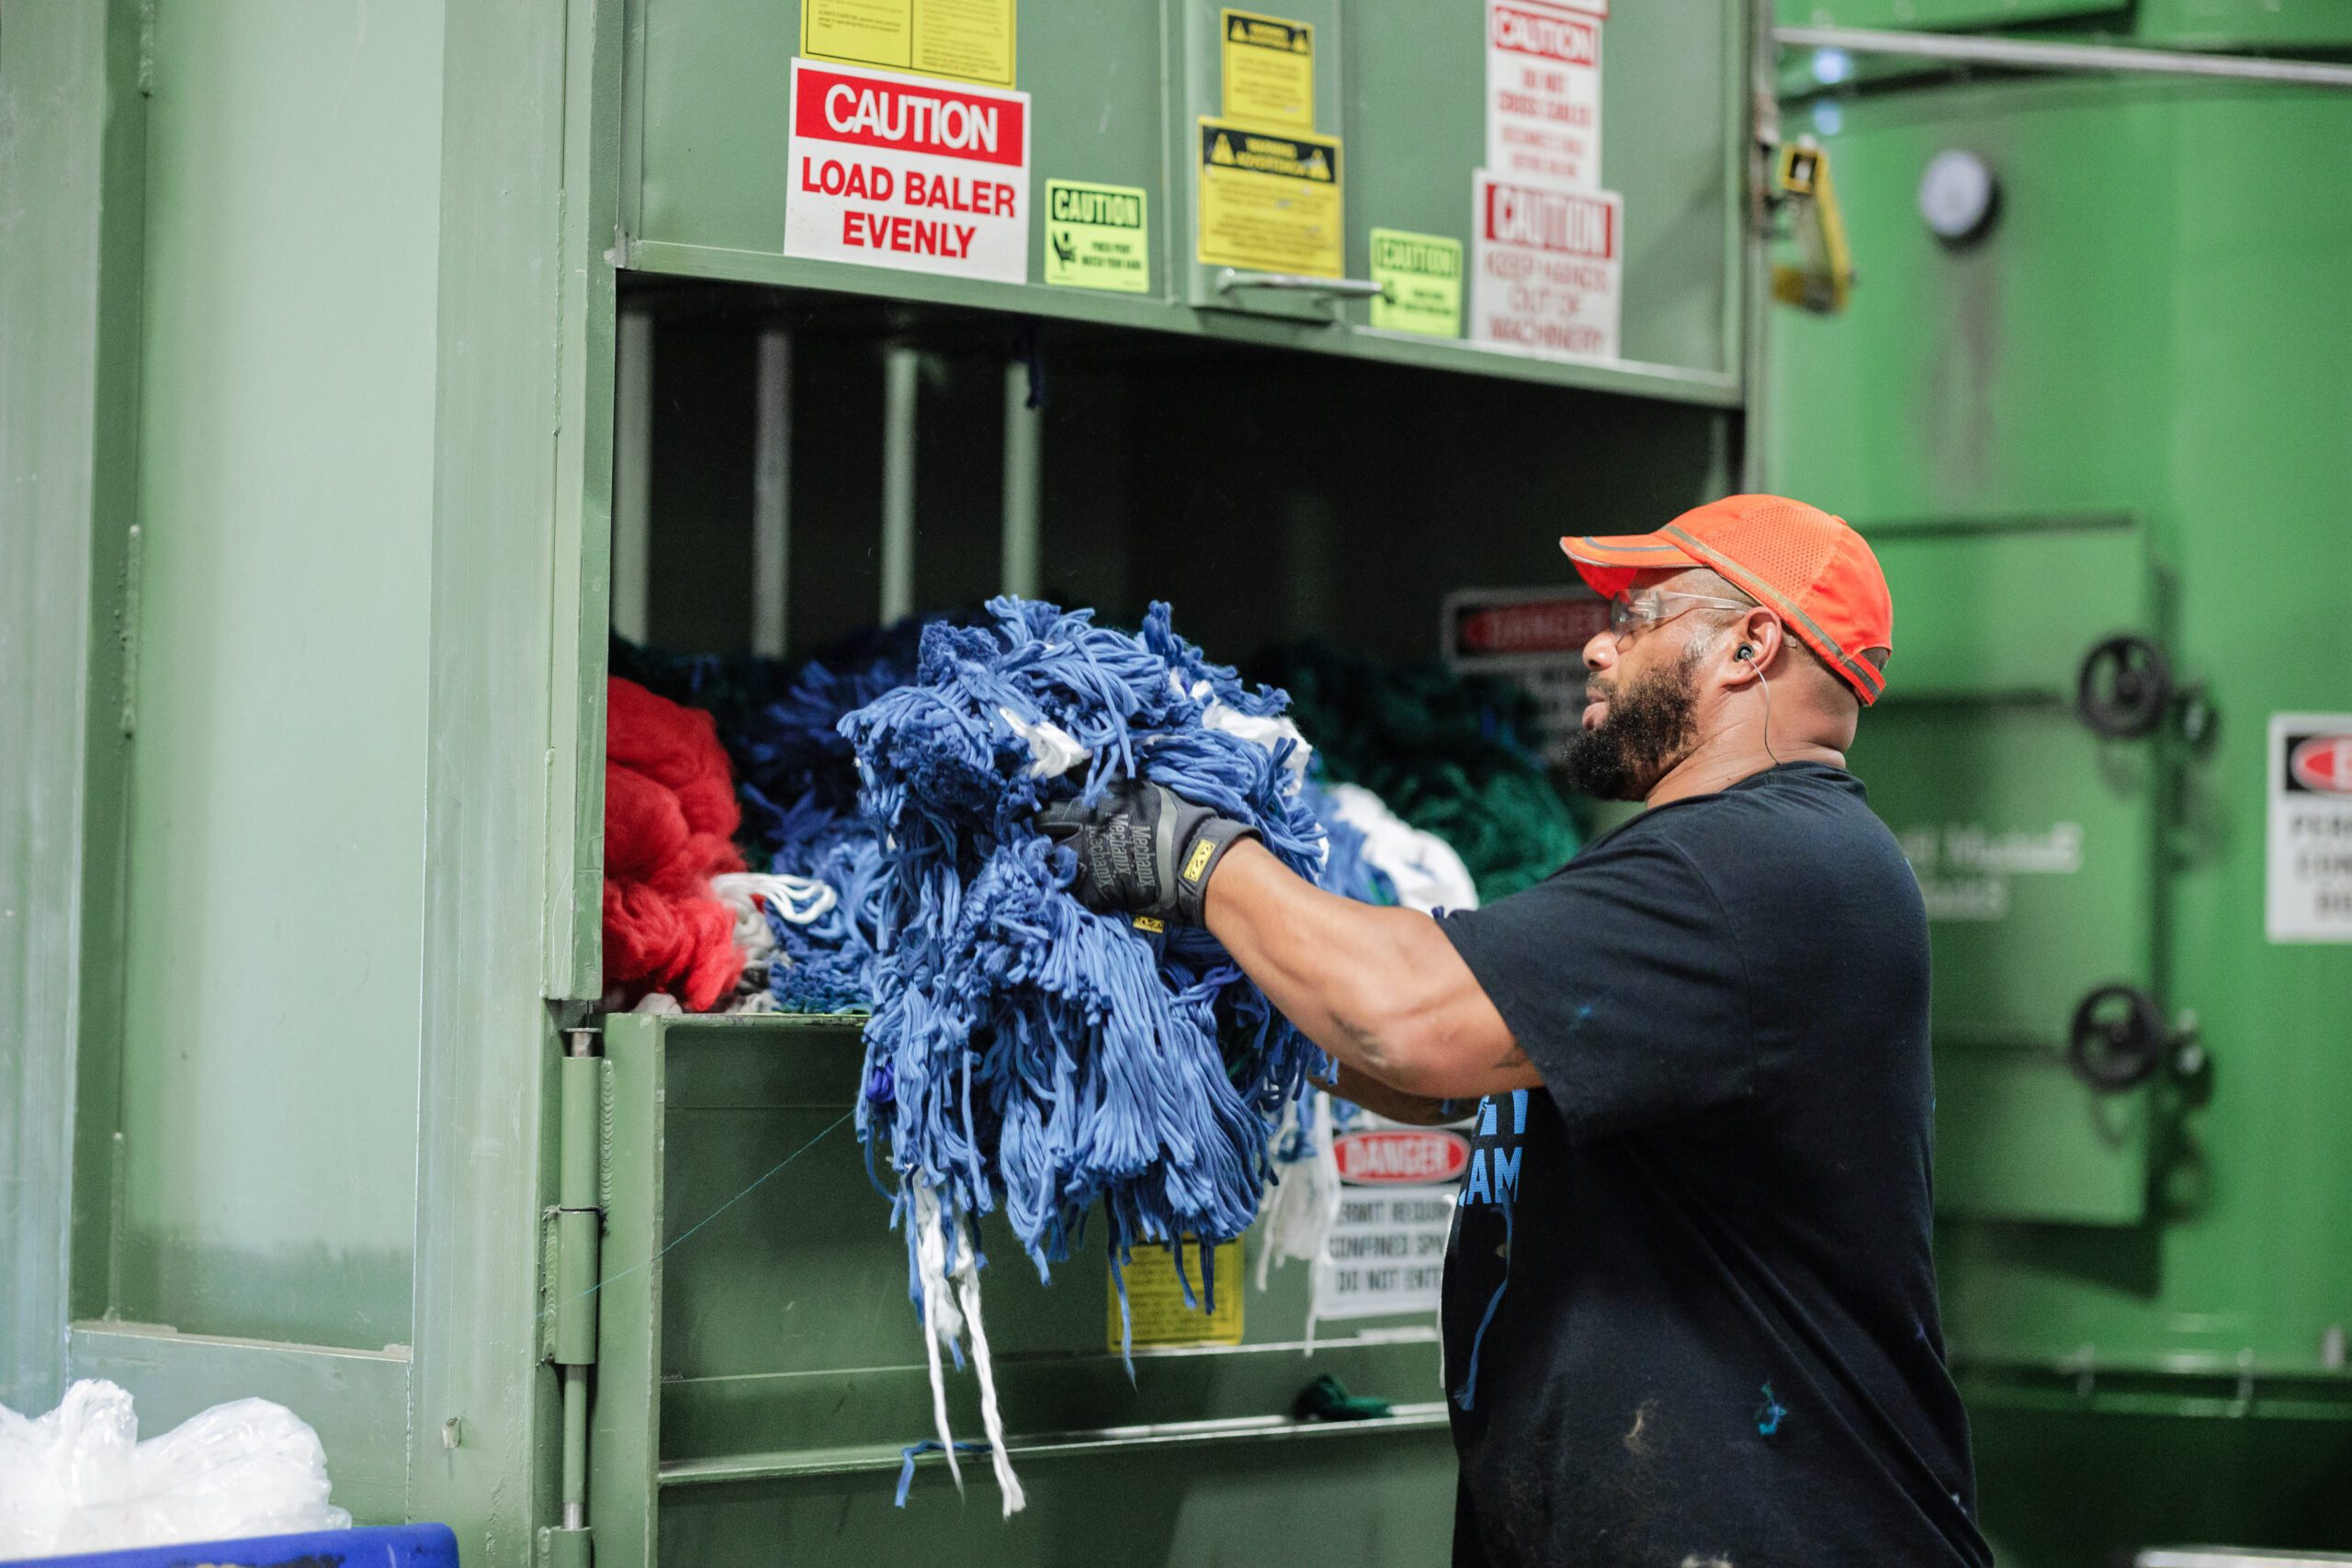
x=572, y=1271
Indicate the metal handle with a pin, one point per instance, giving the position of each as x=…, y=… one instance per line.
x=1231, y=279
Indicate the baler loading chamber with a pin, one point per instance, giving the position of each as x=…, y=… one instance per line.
x=760, y=1367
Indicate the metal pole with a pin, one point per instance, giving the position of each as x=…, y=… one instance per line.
x=632, y=473
x=1978, y=50
x=1019, y=573
x=900, y=369
x=772, y=495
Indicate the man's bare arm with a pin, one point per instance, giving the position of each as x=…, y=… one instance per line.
x=1381, y=990
x=1380, y=1100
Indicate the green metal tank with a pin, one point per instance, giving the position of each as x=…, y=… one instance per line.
x=2111, y=400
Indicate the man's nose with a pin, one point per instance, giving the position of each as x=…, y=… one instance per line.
x=1600, y=651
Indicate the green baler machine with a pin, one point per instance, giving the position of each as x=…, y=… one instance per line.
x=2110, y=405
x=368, y=367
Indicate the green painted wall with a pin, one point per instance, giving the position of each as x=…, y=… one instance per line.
x=2155, y=324
x=286, y=457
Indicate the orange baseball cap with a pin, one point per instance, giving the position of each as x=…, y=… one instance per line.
x=1798, y=561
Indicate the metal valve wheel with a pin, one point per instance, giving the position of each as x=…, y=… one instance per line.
x=2117, y=1039
x=2123, y=688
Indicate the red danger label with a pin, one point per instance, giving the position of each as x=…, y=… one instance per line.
x=2320, y=762
x=910, y=116
x=1417, y=1157
x=1538, y=625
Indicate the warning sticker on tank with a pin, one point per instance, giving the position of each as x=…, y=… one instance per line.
x=1548, y=270
x=2310, y=880
x=1156, y=1304
x=1543, y=91
x=1096, y=237
x=900, y=171
x=1269, y=202
x=969, y=39
x=1421, y=283
x=1269, y=67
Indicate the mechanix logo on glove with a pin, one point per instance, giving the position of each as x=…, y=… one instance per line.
x=1130, y=843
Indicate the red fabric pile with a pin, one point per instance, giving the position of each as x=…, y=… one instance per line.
x=670, y=819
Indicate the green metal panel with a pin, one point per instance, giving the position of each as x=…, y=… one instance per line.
x=2035, y=843
x=2150, y=327
x=748, y=1253
x=70, y=211
x=276, y=827
x=1112, y=88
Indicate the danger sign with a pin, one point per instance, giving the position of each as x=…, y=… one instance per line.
x=905, y=172
x=2310, y=871
x=1549, y=271
x=1543, y=91
x=1412, y=1156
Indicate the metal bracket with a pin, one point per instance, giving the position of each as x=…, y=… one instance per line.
x=572, y=1240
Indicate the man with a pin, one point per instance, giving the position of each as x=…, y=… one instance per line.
x=1690, y=1314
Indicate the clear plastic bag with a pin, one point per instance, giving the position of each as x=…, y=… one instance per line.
x=79, y=1480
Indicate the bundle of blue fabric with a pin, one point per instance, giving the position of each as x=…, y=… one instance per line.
x=1026, y=1053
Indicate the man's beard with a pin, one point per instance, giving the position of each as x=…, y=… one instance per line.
x=1646, y=730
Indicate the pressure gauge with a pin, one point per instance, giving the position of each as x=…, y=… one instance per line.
x=1956, y=195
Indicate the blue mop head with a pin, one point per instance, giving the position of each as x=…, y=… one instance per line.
x=1026, y=1052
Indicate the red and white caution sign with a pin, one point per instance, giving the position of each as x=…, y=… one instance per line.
x=907, y=172
x=1548, y=274
x=2309, y=881
x=1543, y=91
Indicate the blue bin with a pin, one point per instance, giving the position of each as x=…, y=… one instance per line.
x=401, y=1546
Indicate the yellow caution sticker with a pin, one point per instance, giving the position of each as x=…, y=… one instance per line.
x=1156, y=1303
x=1269, y=202
x=971, y=41
x=1268, y=70
x=1420, y=281
x=1096, y=237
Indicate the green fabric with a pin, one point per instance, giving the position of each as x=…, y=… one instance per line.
x=1327, y=1399
x=1451, y=754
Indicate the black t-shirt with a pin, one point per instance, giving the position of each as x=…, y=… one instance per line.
x=1690, y=1306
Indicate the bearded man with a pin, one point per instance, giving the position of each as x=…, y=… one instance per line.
x=1690, y=1316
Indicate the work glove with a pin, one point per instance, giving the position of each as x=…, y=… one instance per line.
x=1143, y=849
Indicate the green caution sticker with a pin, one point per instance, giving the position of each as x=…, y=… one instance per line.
x=1420, y=281
x=1096, y=237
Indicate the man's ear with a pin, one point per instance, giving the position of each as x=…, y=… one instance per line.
x=1757, y=642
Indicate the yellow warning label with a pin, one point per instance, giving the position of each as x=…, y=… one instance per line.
x=1156, y=1302
x=971, y=41
x=1096, y=238
x=1268, y=70
x=1269, y=202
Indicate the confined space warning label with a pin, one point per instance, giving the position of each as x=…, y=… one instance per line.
x=1096, y=237
x=969, y=39
x=1386, y=1251
x=2309, y=884
x=1269, y=69
x=1156, y=1303
x=1548, y=265
x=1543, y=91
x=1269, y=202
x=1534, y=636
x=899, y=171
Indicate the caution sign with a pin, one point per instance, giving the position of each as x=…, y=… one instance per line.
x=1096, y=237
x=1160, y=1316
x=1269, y=202
x=971, y=41
x=1548, y=268
x=900, y=171
x=1386, y=1251
x=1269, y=67
x=1421, y=283
x=2310, y=880
x=1543, y=91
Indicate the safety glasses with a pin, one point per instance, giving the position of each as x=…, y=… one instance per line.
x=1638, y=612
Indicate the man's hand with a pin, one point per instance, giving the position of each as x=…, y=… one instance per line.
x=1142, y=849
